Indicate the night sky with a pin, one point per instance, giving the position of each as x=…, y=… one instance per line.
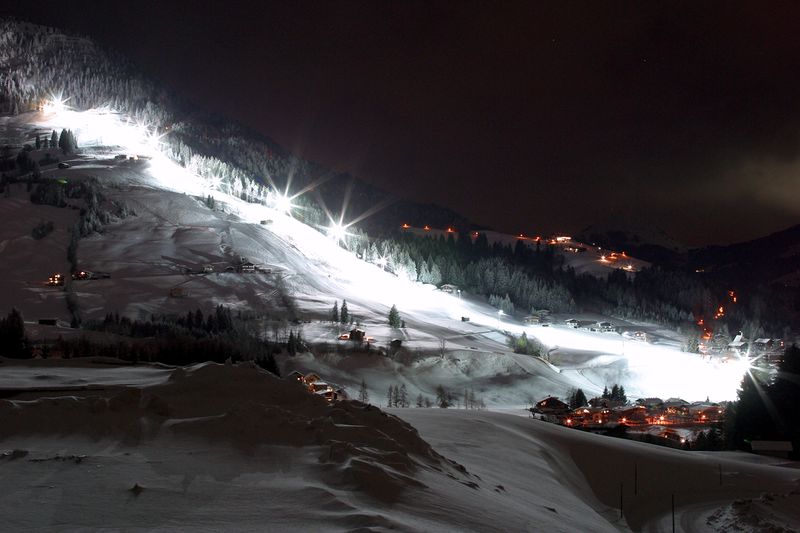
x=527, y=116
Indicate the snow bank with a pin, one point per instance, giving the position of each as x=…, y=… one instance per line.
x=247, y=408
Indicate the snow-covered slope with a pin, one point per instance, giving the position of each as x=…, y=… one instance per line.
x=304, y=273
x=215, y=447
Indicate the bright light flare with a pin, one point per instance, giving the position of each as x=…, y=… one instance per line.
x=282, y=203
x=337, y=232
x=382, y=262
x=56, y=104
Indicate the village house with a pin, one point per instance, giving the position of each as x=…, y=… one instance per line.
x=315, y=385
x=631, y=415
x=606, y=327
x=357, y=335
x=551, y=406
x=739, y=345
x=449, y=289
x=590, y=416
x=706, y=413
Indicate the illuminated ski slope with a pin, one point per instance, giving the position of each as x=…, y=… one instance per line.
x=323, y=269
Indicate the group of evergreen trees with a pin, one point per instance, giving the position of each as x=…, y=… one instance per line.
x=193, y=323
x=397, y=396
x=616, y=394
x=295, y=343
x=576, y=399
x=13, y=341
x=195, y=337
x=341, y=316
x=524, y=345
x=767, y=407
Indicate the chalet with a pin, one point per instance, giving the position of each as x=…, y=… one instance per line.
x=449, y=289
x=318, y=386
x=586, y=416
x=177, y=292
x=706, y=413
x=631, y=416
x=532, y=319
x=606, y=327
x=651, y=403
x=247, y=267
x=739, y=345
x=297, y=376
x=604, y=402
x=772, y=448
x=676, y=405
x=358, y=335
x=55, y=280
x=311, y=378
x=332, y=394
x=571, y=322
x=207, y=269
x=767, y=345
x=551, y=405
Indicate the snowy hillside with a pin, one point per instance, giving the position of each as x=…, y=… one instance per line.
x=215, y=447
x=155, y=260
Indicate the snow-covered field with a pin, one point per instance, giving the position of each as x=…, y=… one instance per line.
x=215, y=447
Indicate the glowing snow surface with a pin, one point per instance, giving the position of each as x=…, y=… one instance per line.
x=650, y=370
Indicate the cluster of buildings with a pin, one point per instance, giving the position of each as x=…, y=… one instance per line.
x=605, y=413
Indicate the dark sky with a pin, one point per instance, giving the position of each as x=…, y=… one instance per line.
x=526, y=116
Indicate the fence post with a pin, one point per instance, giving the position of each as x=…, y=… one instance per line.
x=673, y=513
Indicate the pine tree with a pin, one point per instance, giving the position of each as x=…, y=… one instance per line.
x=363, y=395
x=390, y=396
x=335, y=313
x=394, y=317
x=344, y=315
x=54, y=139
x=577, y=399
x=403, y=396
x=12, y=335
x=442, y=397
x=62, y=141
x=420, y=400
x=38, y=142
